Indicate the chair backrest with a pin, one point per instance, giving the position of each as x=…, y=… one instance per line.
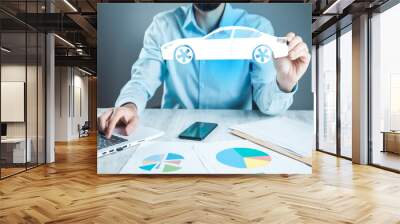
x=86, y=125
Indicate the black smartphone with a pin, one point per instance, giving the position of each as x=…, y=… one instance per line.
x=198, y=131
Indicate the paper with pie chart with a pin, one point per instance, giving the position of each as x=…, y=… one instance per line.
x=165, y=163
x=244, y=157
x=223, y=157
x=164, y=158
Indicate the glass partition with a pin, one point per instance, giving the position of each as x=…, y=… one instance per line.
x=32, y=97
x=327, y=96
x=41, y=97
x=22, y=77
x=385, y=90
x=346, y=93
x=13, y=94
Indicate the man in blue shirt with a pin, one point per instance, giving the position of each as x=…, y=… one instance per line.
x=206, y=84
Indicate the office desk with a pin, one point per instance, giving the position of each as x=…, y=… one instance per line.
x=391, y=141
x=16, y=153
x=174, y=121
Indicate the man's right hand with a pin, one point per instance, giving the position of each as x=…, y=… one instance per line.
x=125, y=116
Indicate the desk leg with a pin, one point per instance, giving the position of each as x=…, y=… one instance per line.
x=384, y=143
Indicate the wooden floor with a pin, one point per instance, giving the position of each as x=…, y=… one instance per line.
x=387, y=159
x=70, y=191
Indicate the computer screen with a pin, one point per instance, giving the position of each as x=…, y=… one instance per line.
x=3, y=129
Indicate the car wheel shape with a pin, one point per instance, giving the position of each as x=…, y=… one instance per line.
x=184, y=54
x=262, y=54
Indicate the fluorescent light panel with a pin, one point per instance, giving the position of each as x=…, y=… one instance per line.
x=70, y=5
x=338, y=6
x=331, y=7
x=64, y=40
x=5, y=50
x=84, y=71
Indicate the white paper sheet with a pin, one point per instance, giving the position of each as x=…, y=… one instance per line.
x=292, y=134
x=164, y=158
x=226, y=157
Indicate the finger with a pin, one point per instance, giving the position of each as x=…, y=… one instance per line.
x=131, y=126
x=298, y=51
x=113, y=122
x=306, y=58
x=290, y=36
x=103, y=119
x=302, y=55
x=295, y=41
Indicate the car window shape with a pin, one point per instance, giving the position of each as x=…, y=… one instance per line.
x=241, y=33
x=223, y=34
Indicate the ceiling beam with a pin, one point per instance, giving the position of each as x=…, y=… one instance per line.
x=82, y=61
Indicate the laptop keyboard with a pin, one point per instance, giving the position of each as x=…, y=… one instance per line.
x=103, y=142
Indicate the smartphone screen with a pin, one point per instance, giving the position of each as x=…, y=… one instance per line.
x=198, y=131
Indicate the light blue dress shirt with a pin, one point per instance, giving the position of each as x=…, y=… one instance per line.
x=203, y=84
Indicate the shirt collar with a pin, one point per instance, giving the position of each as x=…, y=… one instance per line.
x=227, y=18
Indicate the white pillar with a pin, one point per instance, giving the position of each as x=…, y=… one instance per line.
x=50, y=92
x=360, y=90
x=50, y=100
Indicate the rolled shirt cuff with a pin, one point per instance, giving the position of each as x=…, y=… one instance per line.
x=281, y=93
x=138, y=100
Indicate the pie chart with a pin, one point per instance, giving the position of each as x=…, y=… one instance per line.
x=243, y=158
x=163, y=163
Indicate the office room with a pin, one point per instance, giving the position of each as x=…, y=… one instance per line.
x=199, y=112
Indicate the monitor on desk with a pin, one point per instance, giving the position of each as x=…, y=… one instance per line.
x=3, y=130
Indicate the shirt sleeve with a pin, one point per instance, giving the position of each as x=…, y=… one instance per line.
x=146, y=72
x=270, y=99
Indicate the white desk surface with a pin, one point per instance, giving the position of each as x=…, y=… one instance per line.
x=174, y=121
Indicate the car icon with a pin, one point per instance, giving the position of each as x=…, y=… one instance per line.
x=227, y=43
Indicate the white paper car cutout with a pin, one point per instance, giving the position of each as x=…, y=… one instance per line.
x=227, y=43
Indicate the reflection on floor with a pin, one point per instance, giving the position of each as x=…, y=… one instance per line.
x=10, y=169
x=386, y=159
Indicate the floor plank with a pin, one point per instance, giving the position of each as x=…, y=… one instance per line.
x=70, y=191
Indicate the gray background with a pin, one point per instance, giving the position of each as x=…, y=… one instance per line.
x=120, y=37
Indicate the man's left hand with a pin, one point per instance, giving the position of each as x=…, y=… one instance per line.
x=292, y=67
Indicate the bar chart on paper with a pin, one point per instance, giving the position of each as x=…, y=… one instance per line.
x=243, y=158
x=164, y=163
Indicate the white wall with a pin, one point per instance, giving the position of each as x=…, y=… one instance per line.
x=17, y=73
x=34, y=126
x=70, y=83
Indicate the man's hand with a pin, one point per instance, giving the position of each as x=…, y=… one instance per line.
x=125, y=115
x=291, y=68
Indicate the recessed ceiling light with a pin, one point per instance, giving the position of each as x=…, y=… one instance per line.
x=64, y=40
x=70, y=5
x=5, y=50
x=84, y=71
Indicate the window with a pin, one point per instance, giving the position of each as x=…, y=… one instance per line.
x=385, y=89
x=346, y=93
x=223, y=34
x=22, y=65
x=394, y=102
x=327, y=96
x=246, y=34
